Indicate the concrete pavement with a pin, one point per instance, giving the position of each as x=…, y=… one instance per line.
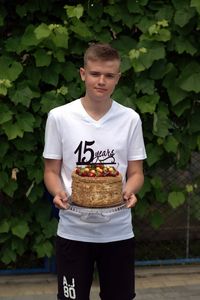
x=152, y=283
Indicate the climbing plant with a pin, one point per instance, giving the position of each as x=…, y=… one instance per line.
x=41, y=49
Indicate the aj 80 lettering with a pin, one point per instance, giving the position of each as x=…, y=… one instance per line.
x=86, y=155
x=69, y=289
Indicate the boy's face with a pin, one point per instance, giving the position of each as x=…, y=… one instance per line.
x=100, y=78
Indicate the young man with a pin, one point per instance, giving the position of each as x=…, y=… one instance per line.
x=83, y=131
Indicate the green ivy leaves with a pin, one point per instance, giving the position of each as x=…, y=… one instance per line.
x=144, y=57
x=4, y=226
x=196, y=4
x=20, y=229
x=74, y=11
x=189, y=78
x=176, y=199
x=9, y=69
x=42, y=47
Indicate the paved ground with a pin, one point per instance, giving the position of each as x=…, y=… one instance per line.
x=152, y=283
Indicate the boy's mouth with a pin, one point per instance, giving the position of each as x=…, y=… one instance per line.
x=100, y=89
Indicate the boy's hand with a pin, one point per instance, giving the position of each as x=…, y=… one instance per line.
x=130, y=199
x=61, y=200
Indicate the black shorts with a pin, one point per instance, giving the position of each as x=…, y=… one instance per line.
x=114, y=262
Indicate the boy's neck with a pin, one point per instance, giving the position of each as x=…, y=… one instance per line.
x=96, y=109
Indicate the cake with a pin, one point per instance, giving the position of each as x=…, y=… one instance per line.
x=96, y=186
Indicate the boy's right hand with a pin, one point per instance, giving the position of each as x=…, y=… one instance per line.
x=61, y=200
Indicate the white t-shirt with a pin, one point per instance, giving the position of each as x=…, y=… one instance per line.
x=76, y=138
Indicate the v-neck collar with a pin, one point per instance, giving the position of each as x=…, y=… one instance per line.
x=91, y=119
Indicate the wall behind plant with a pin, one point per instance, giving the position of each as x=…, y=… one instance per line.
x=42, y=44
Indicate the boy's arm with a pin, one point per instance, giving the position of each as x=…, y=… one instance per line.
x=53, y=183
x=135, y=180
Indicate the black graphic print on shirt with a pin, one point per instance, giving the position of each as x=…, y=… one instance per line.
x=86, y=154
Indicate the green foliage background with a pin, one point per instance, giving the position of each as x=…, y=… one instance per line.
x=41, y=49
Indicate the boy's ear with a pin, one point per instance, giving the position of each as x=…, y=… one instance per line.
x=82, y=73
x=119, y=75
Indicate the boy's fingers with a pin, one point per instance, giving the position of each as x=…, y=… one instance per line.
x=131, y=200
x=61, y=201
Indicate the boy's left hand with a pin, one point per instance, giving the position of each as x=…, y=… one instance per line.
x=130, y=199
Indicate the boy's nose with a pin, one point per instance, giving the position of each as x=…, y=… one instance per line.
x=102, y=79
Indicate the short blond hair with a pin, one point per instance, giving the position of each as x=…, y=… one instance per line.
x=102, y=52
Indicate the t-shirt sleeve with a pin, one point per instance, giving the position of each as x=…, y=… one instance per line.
x=53, y=142
x=136, y=147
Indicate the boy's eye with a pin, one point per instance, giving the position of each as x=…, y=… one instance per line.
x=108, y=75
x=95, y=74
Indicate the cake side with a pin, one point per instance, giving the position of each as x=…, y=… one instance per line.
x=105, y=191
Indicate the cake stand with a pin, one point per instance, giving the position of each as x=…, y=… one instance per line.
x=95, y=215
